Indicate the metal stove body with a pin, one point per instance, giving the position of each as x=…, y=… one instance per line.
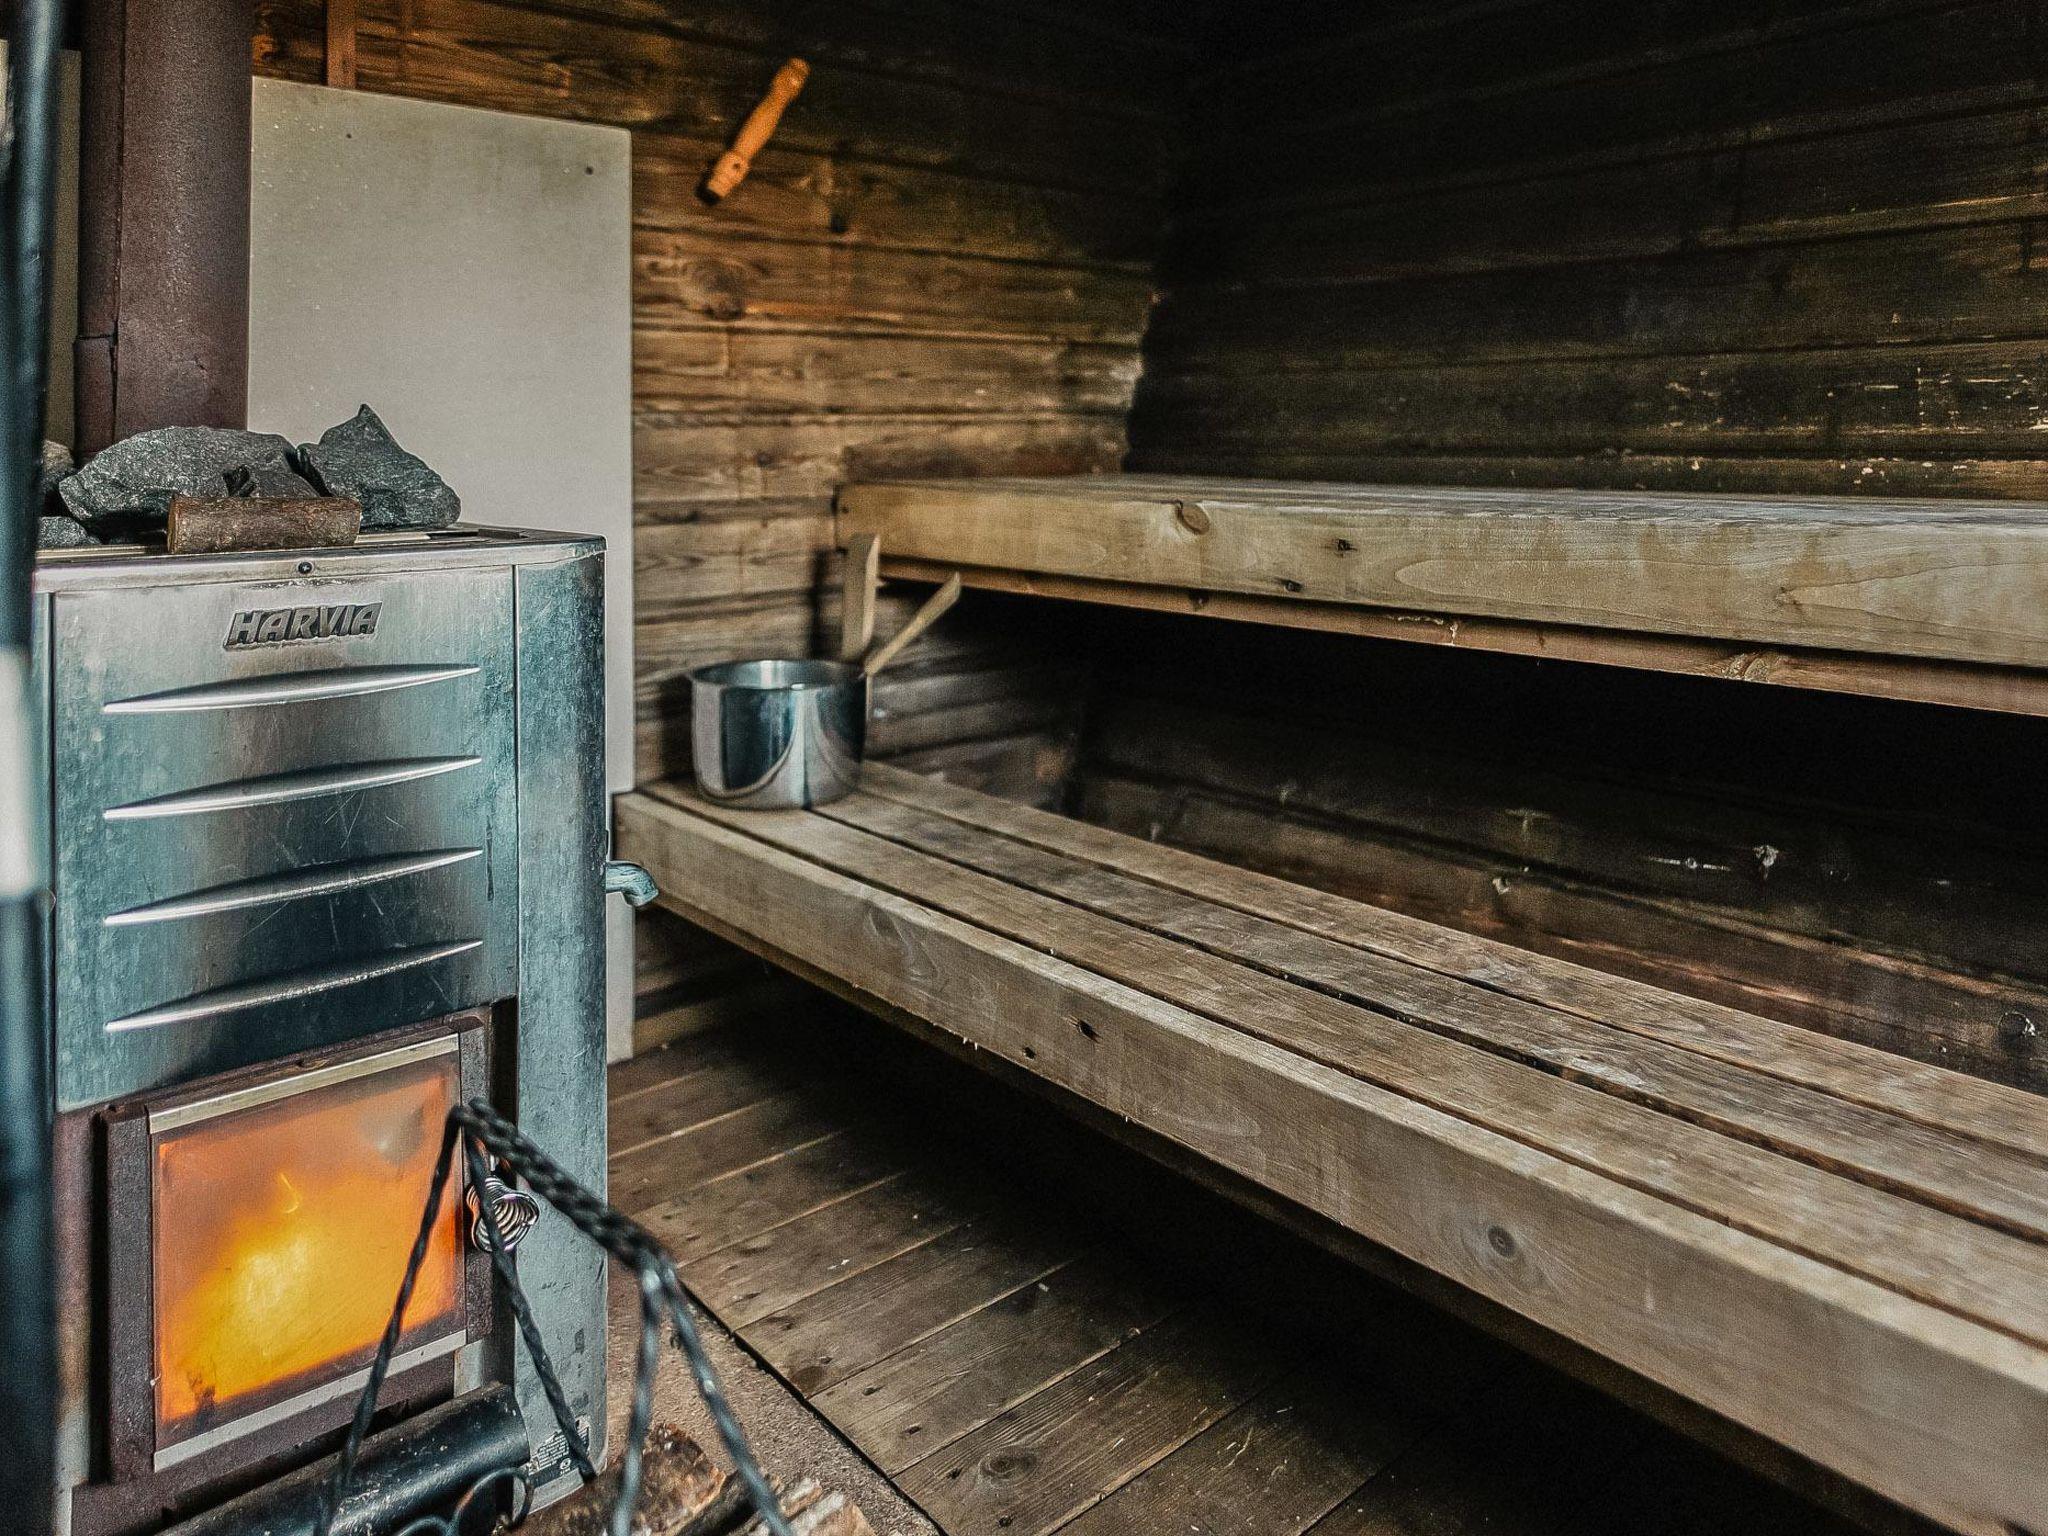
x=304, y=805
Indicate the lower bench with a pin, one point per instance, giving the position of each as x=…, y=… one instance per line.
x=1842, y=1250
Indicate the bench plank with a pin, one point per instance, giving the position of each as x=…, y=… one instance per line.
x=1910, y=679
x=1918, y=1250
x=1953, y=1172
x=1942, y=579
x=1954, y=1101
x=1928, y=1407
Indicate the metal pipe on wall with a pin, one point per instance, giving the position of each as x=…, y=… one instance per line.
x=28, y=1318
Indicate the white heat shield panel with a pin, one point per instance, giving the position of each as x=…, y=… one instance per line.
x=469, y=275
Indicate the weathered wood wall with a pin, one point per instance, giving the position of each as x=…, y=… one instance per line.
x=1775, y=245
x=941, y=265
x=1759, y=245
x=1780, y=244
x=1865, y=868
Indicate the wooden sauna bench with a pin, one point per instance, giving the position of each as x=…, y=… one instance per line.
x=1837, y=1248
x=1941, y=601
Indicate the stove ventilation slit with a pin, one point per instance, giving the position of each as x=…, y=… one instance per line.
x=293, y=885
x=300, y=784
x=288, y=688
x=291, y=986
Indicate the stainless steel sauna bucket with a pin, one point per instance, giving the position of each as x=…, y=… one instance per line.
x=778, y=734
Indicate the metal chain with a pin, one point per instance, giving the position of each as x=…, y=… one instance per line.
x=515, y=1209
x=485, y=1134
x=451, y=1524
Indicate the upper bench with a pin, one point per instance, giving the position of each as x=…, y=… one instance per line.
x=1934, y=600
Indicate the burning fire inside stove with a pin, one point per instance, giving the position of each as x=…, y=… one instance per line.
x=280, y=1231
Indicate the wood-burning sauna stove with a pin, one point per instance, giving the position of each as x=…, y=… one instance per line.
x=328, y=834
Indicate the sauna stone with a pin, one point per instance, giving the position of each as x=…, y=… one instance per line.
x=58, y=530
x=127, y=488
x=361, y=460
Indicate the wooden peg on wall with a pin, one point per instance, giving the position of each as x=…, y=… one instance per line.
x=731, y=168
x=857, y=604
x=341, y=44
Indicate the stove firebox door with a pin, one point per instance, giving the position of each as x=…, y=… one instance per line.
x=255, y=1278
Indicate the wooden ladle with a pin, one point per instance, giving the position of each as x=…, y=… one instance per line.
x=934, y=608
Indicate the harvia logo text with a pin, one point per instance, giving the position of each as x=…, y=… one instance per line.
x=282, y=626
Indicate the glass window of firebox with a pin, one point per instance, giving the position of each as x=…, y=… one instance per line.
x=280, y=1235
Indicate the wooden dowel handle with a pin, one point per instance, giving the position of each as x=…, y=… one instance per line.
x=920, y=621
x=731, y=167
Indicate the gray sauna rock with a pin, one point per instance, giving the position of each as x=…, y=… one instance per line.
x=59, y=530
x=55, y=527
x=271, y=480
x=361, y=459
x=127, y=488
x=55, y=466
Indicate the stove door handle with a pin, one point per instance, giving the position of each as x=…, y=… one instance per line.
x=630, y=881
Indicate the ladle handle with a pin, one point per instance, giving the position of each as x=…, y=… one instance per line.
x=920, y=621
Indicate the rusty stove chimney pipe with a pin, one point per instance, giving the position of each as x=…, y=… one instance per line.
x=164, y=217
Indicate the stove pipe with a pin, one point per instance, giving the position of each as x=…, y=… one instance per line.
x=163, y=248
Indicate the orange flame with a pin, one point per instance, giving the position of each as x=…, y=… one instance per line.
x=281, y=1234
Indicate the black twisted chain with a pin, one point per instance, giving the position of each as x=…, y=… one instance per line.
x=484, y=1134
x=473, y=1498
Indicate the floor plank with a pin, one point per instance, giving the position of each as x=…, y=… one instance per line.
x=736, y=1206
x=1273, y=1468
x=919, y=1399
x=648, y=1070
x=1530, y=1455
x=823, y=1339
x=779, y=1267
x=663, y=1169
x=1028, y=1337
x=1037, y=1465
x=694, y=1097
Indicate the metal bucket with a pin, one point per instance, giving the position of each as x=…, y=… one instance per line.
x=778, y=734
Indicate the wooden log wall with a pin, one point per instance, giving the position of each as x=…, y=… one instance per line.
x=1749, y=246
x=1765, y=246
x=941, y=264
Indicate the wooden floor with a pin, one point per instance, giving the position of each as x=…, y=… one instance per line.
x=1028, y=1330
